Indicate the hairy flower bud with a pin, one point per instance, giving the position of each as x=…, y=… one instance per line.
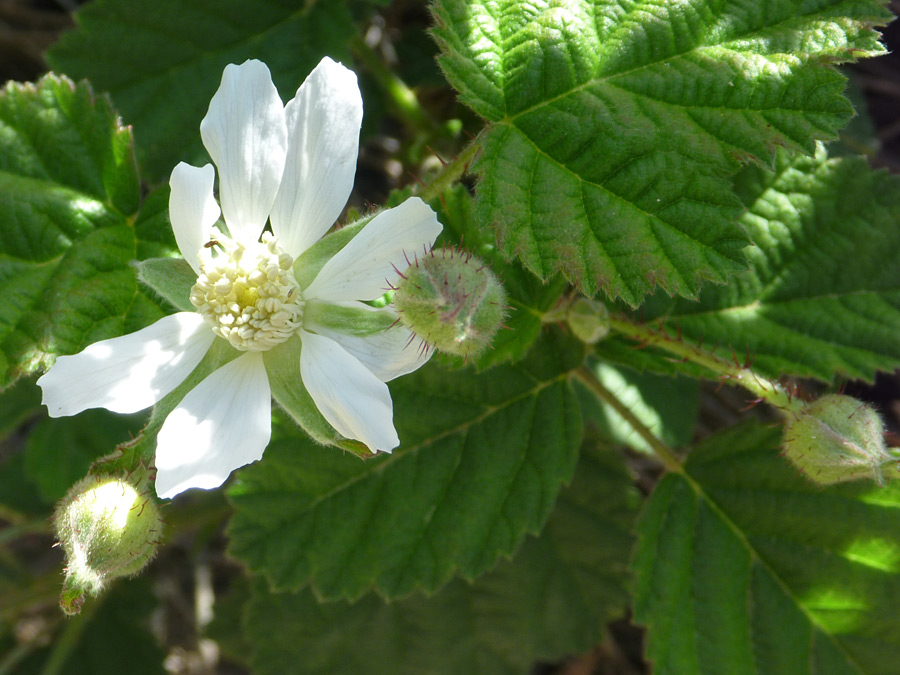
x=452, y=301
x=838, y=438
x=107, y=530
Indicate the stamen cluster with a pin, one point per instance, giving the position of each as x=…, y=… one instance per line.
x=248, y=294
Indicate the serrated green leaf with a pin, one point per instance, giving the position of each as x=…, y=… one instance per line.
x=743, y=566
x=162, y=60
x=552, y=599
x=610, y=123
x=472, y=476
x=667, y=406
x=822, y=297
x=68, y=193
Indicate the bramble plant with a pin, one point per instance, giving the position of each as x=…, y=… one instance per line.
x=443, y=412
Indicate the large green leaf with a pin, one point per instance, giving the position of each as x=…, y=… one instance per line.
x=743, y=566
x=822, y=297
x=69, y=192
x=162, y=60
x=480, y=464
x=552, y=599
x=611, y=122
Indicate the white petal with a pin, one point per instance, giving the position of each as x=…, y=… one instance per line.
x=348, y=395
x=388, y=354
x=245, y=134
x=222, y=424
x=128, y=373
x=323, y=123
x=363, y=269
x=192, y=208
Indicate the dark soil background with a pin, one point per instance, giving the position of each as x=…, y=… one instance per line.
x=29, y=27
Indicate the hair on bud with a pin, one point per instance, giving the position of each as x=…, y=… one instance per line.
x=838, y=438
x=108, y=529
x=452, y=301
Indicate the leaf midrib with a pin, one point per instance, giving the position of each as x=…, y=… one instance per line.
x=756, y=557
x=648, y=64
x=404, y=450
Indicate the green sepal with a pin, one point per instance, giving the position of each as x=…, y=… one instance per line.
x=358, y=321
x=283, y=367
x=171, y=278
x=309, y=263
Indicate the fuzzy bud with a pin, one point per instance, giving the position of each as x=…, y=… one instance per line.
x=107, y=530
x=838, y=438
x=588, y=320
x=451, y=300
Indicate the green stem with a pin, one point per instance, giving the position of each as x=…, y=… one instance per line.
x=767, y=390
x=450, y=173
x=68, y=639
x=662, y=451
x=401, y=98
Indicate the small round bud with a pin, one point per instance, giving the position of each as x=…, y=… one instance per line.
x=838, y=438
x=107, y=530
x=452, y=301
x=588, y=320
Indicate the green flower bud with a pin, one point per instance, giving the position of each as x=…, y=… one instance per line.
x=452, y=301
x=588, y=320
x=107, y=530
x=838, y=438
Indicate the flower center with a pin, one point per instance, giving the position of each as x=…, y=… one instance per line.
x=248, y=294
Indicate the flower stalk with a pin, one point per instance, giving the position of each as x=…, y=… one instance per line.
x=730, y=371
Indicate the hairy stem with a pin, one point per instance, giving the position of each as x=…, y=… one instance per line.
x=662, y=451
x=451, y=172
x=765, y=389
x=401, y=98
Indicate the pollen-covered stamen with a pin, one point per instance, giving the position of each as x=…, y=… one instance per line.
x=248, y=294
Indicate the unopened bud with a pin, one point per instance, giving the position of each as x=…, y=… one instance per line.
x=838, y=438
x=588, y=320
x=451, y=300
x=107, y=530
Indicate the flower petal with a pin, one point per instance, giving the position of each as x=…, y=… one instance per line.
x=362, y=269
x=128, y=373
x=388, y=354
x=348, y=395
x=192, y=208
x=323, y=123
x=245, y=134
x=224, y=423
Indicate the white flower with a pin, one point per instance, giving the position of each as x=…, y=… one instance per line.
x=294, y=166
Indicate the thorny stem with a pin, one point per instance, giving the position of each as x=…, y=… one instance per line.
x=767, y=390
x=662, y=451
x=451, y=172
